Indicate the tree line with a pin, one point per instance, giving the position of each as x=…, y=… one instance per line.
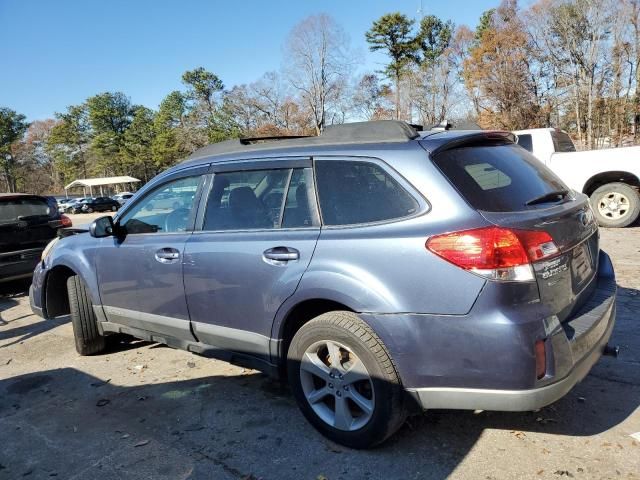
x=570, y=64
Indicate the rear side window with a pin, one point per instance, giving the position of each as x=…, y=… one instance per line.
x=501, y=178
x=525, y=142
x=14, y=209
x=353, y=192
x=260, y=200
x=562, y=142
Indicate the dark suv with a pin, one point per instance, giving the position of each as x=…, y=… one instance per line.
x=380, y=269
x=98, y=204
x=27, y=224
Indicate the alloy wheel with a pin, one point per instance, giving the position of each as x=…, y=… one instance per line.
x=337, y=385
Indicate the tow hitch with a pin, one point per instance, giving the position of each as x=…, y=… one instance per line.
x=611, y=351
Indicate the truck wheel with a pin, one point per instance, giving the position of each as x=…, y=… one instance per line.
x=83, y=319
x=615, y=205
x=344, y=380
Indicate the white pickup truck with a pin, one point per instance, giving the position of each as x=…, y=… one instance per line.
x=610, y=177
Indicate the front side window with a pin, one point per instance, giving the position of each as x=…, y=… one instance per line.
x=165, y=210
x=352, y=192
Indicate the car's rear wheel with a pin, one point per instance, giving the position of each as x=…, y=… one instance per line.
x=344, y=380
x=616, y=205
x=83, y=319
x=114, y=208
x=89, y=210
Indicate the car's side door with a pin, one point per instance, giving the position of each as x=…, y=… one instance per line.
x=140, y=272
x=258, y=229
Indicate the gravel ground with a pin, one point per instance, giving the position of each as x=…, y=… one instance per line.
x=146, y=411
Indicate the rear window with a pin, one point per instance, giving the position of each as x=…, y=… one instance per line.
x=13, y=209
x=352, y=192
x=501, y=178
x=562, y=142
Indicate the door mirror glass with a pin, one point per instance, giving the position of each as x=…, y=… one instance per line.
x=102, y=227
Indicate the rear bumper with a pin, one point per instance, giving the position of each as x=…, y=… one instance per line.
x=18, y=265
x=516, y=400
x=485, y=360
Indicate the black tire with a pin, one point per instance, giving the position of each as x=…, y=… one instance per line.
x=114, y=208
x=85, y=325
x=599, y=196
x=389, y=412
x=89, y=210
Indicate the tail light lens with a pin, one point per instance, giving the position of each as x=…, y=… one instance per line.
x=66, y=221
x=494, y=252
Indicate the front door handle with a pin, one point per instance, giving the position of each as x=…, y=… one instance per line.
x=282, y=254
x=167, y=255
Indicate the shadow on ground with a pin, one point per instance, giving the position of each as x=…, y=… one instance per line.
x=68, y=424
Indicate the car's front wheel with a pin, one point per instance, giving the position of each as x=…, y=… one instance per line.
x=344, y=380
x=616, y=205
x=83, y=319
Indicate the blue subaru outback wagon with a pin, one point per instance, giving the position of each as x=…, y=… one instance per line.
x=380, y=269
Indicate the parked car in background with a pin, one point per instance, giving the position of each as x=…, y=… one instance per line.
x=100, y=204
x=381, y=271
x=610, y=177
x=27, y=224
x=65, y=203
x=75, y=206
x=122, y=198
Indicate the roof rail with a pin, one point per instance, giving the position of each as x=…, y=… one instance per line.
x=381, y=131
x=254, y=140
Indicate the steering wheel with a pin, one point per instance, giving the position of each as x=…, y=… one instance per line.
x=176, y=221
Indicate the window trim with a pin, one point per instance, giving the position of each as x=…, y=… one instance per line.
x=424, y=206
x=149, y=188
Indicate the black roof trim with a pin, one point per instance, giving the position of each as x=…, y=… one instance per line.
x=381, y=131
x=252, y=140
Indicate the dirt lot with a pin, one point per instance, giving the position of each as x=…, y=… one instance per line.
x=146, y=411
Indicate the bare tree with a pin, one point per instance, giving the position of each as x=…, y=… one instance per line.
x=318, y=64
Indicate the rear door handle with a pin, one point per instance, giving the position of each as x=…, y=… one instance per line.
x=281, y=254
x=167, y=255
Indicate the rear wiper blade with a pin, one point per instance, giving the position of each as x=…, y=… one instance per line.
x=548, y=197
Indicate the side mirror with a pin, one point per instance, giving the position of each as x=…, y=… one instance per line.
x=102, y=227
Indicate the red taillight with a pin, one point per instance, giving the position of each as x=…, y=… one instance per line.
x=541, y=359
x=66, y=221
x=495, y=252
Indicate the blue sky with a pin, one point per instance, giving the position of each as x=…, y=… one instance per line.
x=58, y=53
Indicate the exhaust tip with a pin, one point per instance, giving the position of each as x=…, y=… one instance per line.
x=611, y=351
